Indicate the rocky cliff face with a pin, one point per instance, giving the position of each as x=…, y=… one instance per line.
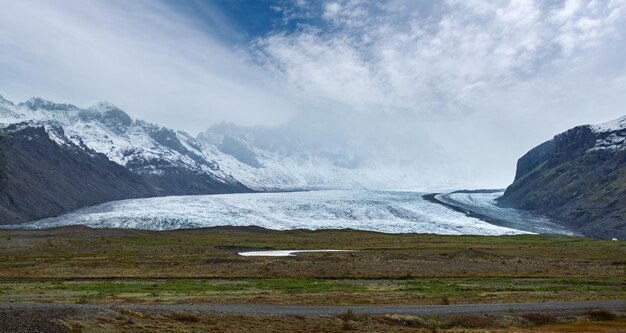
x=579, y=178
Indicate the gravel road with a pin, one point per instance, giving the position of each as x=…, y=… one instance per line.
x=44, y=317
x=571, y=307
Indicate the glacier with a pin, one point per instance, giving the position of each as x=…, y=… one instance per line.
x=485, y=203
x=265, y=160
x=381, y=211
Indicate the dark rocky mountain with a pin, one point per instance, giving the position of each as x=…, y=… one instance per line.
x=42, y=174
x=579, y=178
x=56, y=157
x=41, y=178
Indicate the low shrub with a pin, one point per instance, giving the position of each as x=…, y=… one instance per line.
x=408, y=321
x=186, y=317
x=348, y=326
x=471, y=321
x=347, y=316
x=601, y=315
x=538, y=318
x=131, y=313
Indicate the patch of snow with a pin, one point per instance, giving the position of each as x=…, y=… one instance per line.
x=55, y=133
x=103, y=106
x=613, y=125
x=612, y=143
x=283, y=253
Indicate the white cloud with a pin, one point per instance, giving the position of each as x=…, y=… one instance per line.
x=138, y=54
x=583, y=25
x=471, y=83
x=331, y=9
x=486, y=80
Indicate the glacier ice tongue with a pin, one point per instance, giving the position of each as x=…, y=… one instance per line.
x=383, y=211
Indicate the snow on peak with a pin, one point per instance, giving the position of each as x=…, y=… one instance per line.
x=103, y=106
x=610, y=138
x=258, y=157
x=110, y=115
x=5, y=101
x=613, y=125
x=37, y=103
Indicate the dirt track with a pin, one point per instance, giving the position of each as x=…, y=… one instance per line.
x=40, y=317
x=303, y=310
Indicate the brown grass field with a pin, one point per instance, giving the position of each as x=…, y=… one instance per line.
x=82, y=265
x=130, y=321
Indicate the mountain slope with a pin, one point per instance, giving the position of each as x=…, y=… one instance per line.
x=40, y=177
x=578, y=177
x=224, y=158
x=273, y=159
x=59, y=157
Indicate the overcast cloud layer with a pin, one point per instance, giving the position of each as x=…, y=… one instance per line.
x=460, y=87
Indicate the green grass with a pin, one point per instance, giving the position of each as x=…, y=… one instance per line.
x=194, y=287
x=108, y=264
x=181, y=287
x=472, y=286
x=403, y=290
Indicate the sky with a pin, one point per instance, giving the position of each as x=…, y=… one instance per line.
x=454, y=90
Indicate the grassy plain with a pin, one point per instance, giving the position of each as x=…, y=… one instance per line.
x=78, y=264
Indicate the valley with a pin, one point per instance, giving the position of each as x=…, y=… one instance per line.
x=157, y=230
x=278, y=166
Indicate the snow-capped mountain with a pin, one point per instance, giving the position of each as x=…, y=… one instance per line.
x=223, y=159
x=258, y=157
x=611, y=135
x=284, y=158
x=139, y=146
x=577, y=177
x=267, y=159
x=262, y=159
x=59, y=157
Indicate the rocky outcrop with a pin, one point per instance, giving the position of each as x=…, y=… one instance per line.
x=239, y=151
x=579, y=178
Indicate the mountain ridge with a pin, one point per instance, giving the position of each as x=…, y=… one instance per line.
x=111, y=156
x=225, y=158
x=39, y=177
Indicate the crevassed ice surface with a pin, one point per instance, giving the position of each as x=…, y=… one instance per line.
x=384, y=211
x=485, y=204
